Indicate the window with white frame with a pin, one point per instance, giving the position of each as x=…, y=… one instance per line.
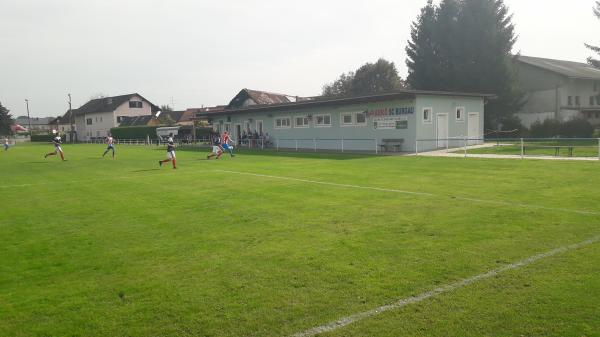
x=282, y=123
x=427, y=115
x=346, y=119
x=460, y=113
x=361, y=118
x=323, y=121
x=301, y=122
x=135, y=104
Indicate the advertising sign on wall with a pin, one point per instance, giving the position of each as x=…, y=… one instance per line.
x=390, y=123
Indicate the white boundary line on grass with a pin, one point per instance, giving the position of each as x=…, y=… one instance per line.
x=345, y=321
x=425, y=194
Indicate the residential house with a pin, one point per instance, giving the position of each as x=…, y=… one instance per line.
x=558, y=89
x=95, y=118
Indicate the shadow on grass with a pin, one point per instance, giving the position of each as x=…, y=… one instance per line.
x=331, y=155
x=36, y=162
x=146, y=170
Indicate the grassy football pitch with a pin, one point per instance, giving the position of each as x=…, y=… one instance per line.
x=268, y=244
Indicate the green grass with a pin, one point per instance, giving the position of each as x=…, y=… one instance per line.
x=580, y=148
x=102, y=247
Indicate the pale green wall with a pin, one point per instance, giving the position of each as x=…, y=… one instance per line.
x=367, y=133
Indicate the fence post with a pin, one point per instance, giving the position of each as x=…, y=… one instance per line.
x=262, y=143
x=466, y=144
x=342, y=144
x=376, y=147
x=296, y=144
x=416, y=147
x=315, y=144
x=598, y=148
x=277, y=141
x=522, y=149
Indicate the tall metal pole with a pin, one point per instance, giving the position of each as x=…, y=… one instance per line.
x=28, y=118
x=72, y=121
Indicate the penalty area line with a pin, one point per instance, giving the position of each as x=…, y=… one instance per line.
x=345, y=321
x=424, y=194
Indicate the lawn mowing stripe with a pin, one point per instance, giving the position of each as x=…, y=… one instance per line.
x=345, y=321
x=425, y=194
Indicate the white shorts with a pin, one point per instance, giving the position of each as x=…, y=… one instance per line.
x=58, y=148
x=216, y=150
x=171, y=155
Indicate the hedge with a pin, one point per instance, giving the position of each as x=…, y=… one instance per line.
x=574, y=128
x=42, y=138
x=134, y=132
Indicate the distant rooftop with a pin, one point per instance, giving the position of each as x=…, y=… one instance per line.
x=566, y=68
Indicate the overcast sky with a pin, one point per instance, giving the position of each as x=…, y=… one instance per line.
x=200, y=52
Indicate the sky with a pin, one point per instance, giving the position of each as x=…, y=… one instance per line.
x=193, y=53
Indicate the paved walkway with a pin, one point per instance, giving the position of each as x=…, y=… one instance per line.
x=459, y=153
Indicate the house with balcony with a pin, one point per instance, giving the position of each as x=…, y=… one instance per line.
x=558, y=89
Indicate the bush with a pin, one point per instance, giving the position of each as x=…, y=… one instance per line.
x=577, y=128
x=134, y=132
x=551, y=128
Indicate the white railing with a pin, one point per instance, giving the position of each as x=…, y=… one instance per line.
x=521, y=147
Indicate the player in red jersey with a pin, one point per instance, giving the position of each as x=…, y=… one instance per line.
x=226, y=143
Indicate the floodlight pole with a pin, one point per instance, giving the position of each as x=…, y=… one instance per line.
x=28, y=118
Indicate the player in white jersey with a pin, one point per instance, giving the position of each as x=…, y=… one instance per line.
x=170, y=153
x=111, y=145
x=57, y=148
x=6, y=144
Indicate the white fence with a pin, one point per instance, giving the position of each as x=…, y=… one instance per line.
x=521, y=147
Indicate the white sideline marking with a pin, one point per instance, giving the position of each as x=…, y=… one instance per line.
x=345, y=321
x=425, y=194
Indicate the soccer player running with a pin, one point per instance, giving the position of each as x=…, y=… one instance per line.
x=57, y=148
x=225, y=140
x=216, y=148
x=111, y=145
x=170, y=153
x=6, y=144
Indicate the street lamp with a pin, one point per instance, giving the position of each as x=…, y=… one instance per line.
x=72, y=121
x=28, y=118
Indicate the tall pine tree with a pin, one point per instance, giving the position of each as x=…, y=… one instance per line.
x=423, y=62
x=472, y=44
x=5, y=120
x=592, y=61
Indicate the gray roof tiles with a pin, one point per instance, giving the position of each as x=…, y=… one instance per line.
x=566, y=68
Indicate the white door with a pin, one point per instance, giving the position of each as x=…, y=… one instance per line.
x=442, y=131
x=474, y=133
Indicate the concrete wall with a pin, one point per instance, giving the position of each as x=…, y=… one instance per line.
x=458, y=129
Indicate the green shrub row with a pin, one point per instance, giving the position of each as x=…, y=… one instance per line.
x=134, y=132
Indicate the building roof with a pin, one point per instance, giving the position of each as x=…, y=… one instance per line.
x=108, y=104
x=262, y=98
x=334, y=101
x=566, y=68
x=34, y=120
x=136, y=120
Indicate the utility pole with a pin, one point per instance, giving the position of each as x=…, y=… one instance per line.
x=72, y=121
x=28, y=118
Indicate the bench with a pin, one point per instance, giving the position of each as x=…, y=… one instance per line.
x=557, y=148
x=391, y=145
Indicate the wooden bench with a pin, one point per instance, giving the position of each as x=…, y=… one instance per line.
x=391, y=145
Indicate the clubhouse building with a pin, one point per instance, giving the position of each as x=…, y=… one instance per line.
x=402, y=121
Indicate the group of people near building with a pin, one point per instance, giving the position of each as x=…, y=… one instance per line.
x=254, y=139
x=220, y=144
